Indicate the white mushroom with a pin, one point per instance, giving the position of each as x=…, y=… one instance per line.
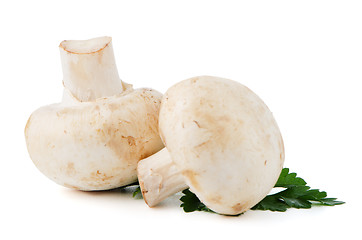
x=95, y=137
x=221, y=141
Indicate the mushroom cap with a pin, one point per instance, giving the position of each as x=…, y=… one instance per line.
x=224, y=140
x=95, y=145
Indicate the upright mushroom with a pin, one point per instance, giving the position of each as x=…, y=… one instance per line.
x=95, y=137
x=221, y=141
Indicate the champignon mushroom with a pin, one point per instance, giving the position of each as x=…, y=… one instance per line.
x=95, y=137
x=221, y=141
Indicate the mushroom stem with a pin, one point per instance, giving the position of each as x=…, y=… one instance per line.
x=89, y=68
x=159, y=178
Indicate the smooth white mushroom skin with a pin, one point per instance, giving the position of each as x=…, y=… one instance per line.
x=94, y=139
x=224, y=140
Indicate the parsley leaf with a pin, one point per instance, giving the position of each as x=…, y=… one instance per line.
x=271, y=203
x=295, y=195
x=287, y=179
x=137, y=193
x=191, y=203
x=134, y=188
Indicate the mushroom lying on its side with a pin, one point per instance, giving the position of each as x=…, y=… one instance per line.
x=95, y=137
x=221, y=141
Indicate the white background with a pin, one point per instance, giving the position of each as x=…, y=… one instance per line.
x=303, y=58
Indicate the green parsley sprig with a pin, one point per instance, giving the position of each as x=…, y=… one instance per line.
x=295, y=195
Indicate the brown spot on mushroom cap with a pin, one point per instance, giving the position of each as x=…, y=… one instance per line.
x=113, y=106
x=131, y=141
x=192, y=179
x=97, y=179
x=281, y=149
x=215, y=199
x=197, y=123
x=194, y=79
x=71, y=186
x=239, y=208
x=70, y=170
x=202, y=144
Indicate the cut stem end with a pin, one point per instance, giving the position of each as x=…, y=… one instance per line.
x=159, y=178
x=89, y=68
